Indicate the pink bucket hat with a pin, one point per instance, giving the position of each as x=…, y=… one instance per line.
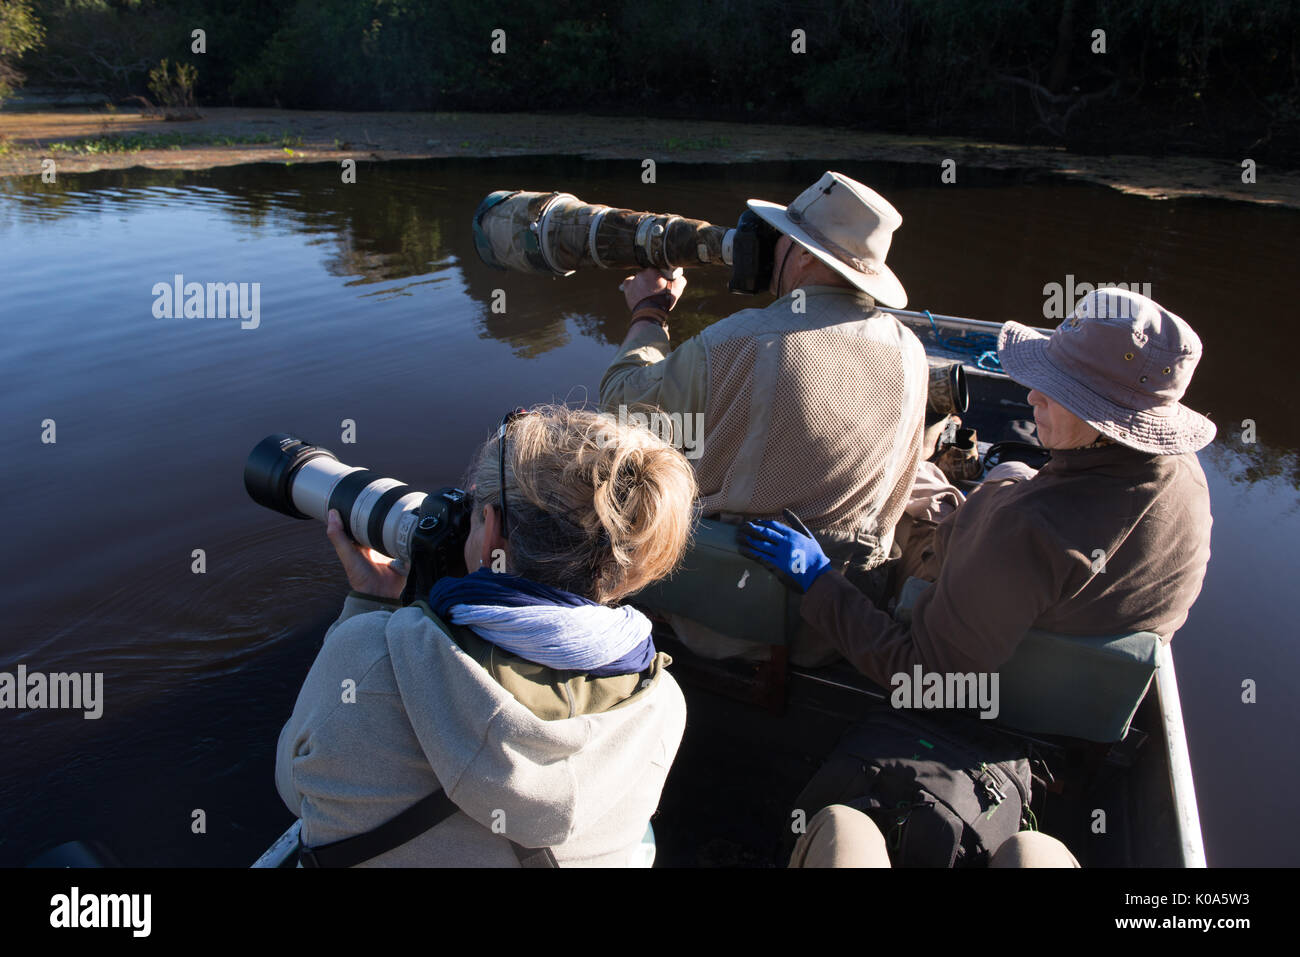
x=1120, y=362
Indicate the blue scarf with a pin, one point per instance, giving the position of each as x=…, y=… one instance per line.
x=547, y=626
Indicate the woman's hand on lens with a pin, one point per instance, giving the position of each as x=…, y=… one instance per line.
x=649, y=282
x=368, y=572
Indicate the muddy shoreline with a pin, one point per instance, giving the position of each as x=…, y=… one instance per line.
x=231, y=136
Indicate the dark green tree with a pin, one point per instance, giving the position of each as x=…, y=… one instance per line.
x=20, y=32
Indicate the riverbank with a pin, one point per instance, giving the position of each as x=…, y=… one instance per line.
x=83, y=140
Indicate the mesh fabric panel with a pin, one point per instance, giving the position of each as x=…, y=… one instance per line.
x=821, y=420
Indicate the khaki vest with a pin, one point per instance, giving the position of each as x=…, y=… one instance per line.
x=820, y=411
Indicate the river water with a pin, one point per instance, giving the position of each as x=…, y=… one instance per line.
x=374, y=308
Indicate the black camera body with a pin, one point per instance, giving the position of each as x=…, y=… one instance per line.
x=438, y=543
x=753, y=254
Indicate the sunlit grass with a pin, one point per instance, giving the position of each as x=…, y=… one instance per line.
x=136, y=142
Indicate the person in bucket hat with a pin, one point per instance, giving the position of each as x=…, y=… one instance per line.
x=815, y=403
x=1111, y=536
x=1119, y=363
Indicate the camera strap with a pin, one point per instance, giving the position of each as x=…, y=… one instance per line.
x=423, y=815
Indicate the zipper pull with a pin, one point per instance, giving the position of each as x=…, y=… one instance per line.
x=990, y=785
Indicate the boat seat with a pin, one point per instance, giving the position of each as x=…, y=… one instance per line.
x=723, y=590
x=1080, y=687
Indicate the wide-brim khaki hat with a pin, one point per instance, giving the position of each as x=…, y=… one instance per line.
x=847, y=226
x=1121, y=363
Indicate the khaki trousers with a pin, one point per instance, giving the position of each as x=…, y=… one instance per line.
x=840, y=836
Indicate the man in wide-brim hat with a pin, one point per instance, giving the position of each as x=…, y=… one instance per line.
x=815, y=403
x=1111, y=536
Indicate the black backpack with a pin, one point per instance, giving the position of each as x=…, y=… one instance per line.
x=945, y=793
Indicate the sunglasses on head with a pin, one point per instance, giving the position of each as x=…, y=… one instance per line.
x=501, y=462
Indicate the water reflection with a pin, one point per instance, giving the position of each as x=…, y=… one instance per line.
x=986, y=249
x=1256, y=463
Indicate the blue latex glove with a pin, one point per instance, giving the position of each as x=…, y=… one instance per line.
x=792, y=553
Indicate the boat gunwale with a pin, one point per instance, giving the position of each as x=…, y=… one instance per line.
x=279, y=853
x=1181, y=783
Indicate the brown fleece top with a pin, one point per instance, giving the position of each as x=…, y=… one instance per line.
x=1102, y=541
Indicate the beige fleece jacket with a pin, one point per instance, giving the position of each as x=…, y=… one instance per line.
x=426, y=713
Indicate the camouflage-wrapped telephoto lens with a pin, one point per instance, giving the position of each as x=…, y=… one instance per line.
x=947, y=394
x=556, y=233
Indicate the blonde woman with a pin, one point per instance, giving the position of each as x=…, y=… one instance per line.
x=517, y=716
